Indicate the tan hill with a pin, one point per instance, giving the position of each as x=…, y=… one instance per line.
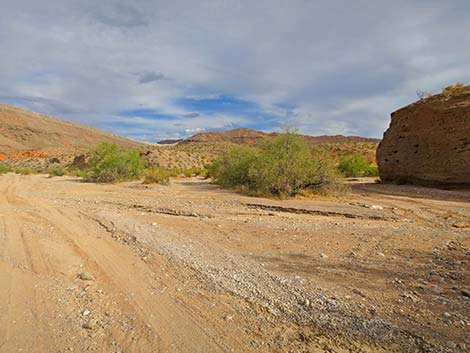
x=29, y=139
x=24, y=131
x=239, y=136
x=249, y=136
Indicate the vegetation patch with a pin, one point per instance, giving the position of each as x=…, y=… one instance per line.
x=4, y=169
x=110, y=163
x=24, y=171
x=157, y=176
x=453, y=89
x=56, y=171
x=356, y=165
x=284, y=167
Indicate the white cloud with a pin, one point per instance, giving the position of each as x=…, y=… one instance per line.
x=340, y=66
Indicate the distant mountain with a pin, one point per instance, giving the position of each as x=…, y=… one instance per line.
x=169, y=142
x=239, y=136
x=251, y=137
x=22, y=130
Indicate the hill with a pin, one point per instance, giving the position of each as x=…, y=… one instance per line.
x=239, y=136
x=24, y=131
x=31, y=139
x=251, y=137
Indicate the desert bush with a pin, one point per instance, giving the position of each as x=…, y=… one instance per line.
x=194, y=171
x=4, y=169
x=357, y=166
x=56, y=171
x=24, y=171
x=452, y=89
x=232, y=168
x=111, y=163
x=283, y=166
x=74, y=171
x=157, y=176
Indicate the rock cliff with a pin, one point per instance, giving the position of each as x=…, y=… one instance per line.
x=428, y=142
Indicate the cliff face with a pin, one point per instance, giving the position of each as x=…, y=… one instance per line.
x=428, y=142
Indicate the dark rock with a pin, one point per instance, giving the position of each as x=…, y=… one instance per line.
x=80, y=162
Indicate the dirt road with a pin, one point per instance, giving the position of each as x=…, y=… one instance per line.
x=192, y=268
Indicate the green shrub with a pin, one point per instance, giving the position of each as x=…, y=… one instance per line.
x=283, y=166
x=357, y=166
x=110, y=163
x=74, y=171
x=188, y=173
x=56, y=171
x=232, y=168
x=157, y=176
x=4, y=169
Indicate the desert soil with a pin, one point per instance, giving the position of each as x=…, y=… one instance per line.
x=193, y=268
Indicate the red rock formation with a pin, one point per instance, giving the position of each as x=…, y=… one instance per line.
x=428, y=142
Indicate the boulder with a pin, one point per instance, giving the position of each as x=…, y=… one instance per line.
x=428, y=142
x=80, y=162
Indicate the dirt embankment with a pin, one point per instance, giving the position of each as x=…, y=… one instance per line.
x=193, y=268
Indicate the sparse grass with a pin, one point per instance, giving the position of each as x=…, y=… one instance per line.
x=24, y=171
x=157, y=176
x=356, y=165
x=453, y=89
x=4, y=169
x=281, y=167
x=111, y=163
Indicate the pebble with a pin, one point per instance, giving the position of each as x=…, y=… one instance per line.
x=323, y=256
x=435, y=289
x=358, y=292
x=461, y=225
x=85, y=276
x=465, y=293
x=451, y=345
x=90, y=325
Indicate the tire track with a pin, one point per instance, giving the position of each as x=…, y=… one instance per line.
x=161, y=323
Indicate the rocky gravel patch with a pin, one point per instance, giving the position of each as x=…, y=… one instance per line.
x=282, y=298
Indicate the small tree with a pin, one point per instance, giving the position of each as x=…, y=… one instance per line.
x=423, y=94
x=110, y=163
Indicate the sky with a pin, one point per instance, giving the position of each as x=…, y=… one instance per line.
x=154, y=69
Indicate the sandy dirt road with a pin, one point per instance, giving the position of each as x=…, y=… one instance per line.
x=193, y=268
